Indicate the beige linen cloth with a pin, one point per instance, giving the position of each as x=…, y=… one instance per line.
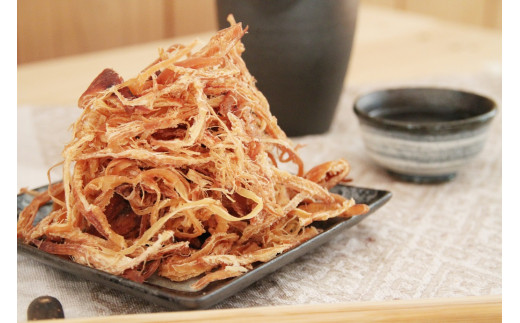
x=441, y=240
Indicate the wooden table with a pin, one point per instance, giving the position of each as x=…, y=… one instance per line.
x=390, y=47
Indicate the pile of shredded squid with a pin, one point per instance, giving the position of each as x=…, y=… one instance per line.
x=175, y=173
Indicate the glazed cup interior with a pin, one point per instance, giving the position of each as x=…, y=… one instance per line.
x=426, y=110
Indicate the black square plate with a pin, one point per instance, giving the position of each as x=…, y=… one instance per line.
x=180, y=296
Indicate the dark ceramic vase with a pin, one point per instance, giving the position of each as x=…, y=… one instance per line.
x=298, y=50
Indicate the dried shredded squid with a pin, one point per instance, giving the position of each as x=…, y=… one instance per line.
x=175, y=172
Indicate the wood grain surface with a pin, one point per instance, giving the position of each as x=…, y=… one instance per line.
x=467, y=309
x=389, y=45
x=56, y=28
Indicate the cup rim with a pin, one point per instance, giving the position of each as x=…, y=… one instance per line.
x=474, y=121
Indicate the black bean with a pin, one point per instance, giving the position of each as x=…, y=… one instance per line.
x=45, y=307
